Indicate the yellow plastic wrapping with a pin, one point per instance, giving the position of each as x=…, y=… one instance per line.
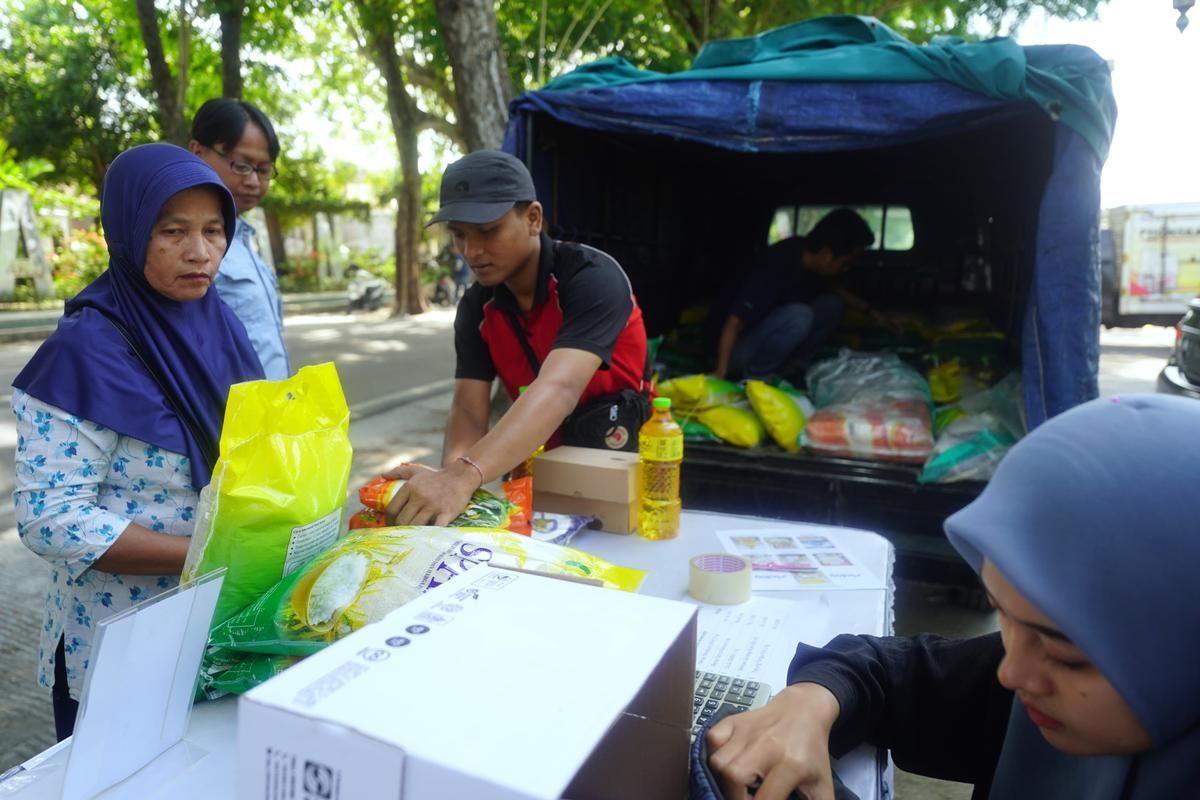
x=780, y=413
x=278, y=491
x=692, y=393
x=736, y=425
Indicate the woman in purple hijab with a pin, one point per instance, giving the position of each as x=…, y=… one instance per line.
x=119, y=412
x=1089, y=690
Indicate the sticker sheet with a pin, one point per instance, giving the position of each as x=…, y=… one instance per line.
x=806, y=557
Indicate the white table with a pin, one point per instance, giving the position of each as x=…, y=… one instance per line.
x=204, y=765
x=865, y=611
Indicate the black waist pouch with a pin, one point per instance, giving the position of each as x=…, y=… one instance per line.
x=610, y=422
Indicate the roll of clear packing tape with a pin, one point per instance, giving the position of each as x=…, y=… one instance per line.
x=719, y=578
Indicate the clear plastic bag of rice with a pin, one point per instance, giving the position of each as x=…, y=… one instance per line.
x=372, y=571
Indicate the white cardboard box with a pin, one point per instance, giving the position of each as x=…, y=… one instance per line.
x=497, y=684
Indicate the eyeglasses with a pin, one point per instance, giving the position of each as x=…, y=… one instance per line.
x=244, y=168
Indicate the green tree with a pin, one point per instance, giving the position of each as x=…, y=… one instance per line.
x=69, y=87
x=308, y=188
x=401, y=42
x=542, y=38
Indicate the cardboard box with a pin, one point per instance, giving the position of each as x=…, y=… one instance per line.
x=607, y=475
x=580, y=480
x=612, y=517
x=496, y=684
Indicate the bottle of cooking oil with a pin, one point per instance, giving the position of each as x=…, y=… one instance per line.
x=660, y=445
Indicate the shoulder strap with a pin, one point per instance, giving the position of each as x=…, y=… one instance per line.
x=203, y=441
x=520, y=334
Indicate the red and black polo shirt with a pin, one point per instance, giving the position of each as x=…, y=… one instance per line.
x=584, y=302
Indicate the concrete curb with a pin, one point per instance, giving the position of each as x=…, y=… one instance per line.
x=25, y=326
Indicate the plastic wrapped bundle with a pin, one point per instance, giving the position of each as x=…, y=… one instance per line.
x=870, y=406
x=369, y=573
x=969, y=449
x=875, y=430
x=858, y=377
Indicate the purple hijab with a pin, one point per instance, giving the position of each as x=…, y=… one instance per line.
x=197, y=348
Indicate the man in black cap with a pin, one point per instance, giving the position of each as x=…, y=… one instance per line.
x=558, y=318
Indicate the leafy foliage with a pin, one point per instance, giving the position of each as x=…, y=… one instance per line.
x=78, y=262
x=70, y=88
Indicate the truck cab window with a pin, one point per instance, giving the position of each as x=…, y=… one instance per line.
x=892, y=225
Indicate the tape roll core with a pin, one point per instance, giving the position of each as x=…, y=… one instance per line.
x=719, y=578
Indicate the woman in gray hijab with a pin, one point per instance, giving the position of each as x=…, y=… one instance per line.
x=1090, y=689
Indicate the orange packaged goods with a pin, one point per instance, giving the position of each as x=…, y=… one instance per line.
x=484, y=511
x=881, y=431
x=519, y=492
x=869, y=406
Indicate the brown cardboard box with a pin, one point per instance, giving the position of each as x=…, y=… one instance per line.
x=613, y=517
x=606, y=475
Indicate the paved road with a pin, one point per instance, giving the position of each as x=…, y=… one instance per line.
x=398, y=360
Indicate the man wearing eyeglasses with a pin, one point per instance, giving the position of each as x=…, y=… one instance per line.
x=237, y=140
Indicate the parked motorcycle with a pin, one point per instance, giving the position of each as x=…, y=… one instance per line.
x=365, y=292
x=445, y=293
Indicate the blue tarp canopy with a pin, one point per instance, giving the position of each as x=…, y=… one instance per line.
x=844, y=110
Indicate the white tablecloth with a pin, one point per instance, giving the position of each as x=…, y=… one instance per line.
x=204, y=765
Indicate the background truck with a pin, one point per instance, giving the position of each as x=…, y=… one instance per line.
x=1150, y=263
x=978, y=163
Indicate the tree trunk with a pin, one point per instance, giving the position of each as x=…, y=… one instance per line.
x=185, y=54
x=170, y=115
x=402, y=110
x=410, y=212
x=333, y=266
x=275, y=236
x=482, y=88
x=231, y=47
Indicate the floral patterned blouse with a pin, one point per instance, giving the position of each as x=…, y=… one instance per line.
x=78, y=486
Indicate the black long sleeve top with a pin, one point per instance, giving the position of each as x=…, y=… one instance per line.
x=935, y=703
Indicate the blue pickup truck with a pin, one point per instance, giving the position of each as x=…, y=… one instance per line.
x=985, y=157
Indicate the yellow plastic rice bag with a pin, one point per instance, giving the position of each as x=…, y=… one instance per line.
x=373, y=571
x=690, y=393
x=780, y=412
x=736, y=425
x=278, y=491
x=945, y=381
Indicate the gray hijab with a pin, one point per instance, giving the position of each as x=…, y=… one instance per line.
x=1092, y=518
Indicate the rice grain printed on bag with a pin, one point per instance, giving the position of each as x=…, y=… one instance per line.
x=278, y=491
x=371, y=572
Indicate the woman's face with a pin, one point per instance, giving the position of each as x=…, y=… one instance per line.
x=251, y=150
x=1073, y=705
x=186, y=245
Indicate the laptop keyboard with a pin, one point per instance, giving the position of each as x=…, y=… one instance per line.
x=714, y=690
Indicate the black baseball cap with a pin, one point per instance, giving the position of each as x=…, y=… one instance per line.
x=481, y=187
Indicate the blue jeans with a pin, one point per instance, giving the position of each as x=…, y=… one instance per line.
x=787, y=338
